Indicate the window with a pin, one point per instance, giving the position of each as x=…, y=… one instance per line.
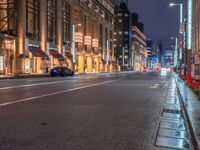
x=66, y=21
x=32, y=19
x=111, y=42
x=120, y=32
x=94, y=29
x=126, y=15
x=101, y=35
x=7, y=17
x=51, y=20
x=106, y=37
x=120, y=20
x=125, y=32
x=119, y=14
x=86, y=25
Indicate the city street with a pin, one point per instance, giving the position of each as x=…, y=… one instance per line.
x=124, y=111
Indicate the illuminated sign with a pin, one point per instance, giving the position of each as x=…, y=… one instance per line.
x=189, y=24
x=78, y=37
x=87, y=40
x=1, y=64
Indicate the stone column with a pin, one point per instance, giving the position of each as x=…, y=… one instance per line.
x=43, y=24
x=21, y=32
x=81, y=64
x=59, y=25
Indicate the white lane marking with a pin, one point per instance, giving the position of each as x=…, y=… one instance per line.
x=51, y=94
x=34, y=84
x=155, y=86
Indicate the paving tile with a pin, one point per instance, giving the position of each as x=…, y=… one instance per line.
x=174, y=143
x=172, y=133
x=172, y=125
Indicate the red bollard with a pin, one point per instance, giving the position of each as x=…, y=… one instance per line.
x=189, y=77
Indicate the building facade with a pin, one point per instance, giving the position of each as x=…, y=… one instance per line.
x=139, y=49
x=149, y=53
x=37, y=35
x=196, y=40
x=122, y=36
x=94, y=37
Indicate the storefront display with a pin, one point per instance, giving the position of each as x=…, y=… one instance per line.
x=7, y=48
x=1, y=65
x=27, y=66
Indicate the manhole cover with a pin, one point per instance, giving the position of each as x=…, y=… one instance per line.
x=173, y=111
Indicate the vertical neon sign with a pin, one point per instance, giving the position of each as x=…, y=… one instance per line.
x=189, y=25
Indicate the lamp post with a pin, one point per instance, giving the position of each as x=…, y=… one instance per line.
x=181, y=12
x=123, y=57
x=175, y=47
x=181, y=34
x=73, y=44
x=107, y=57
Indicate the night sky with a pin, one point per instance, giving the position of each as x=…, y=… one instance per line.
x=160, y=21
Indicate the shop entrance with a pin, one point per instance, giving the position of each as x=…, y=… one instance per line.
x=6, y=57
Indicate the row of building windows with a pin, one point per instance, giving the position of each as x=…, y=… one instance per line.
x=8, y=19
x=120, y=15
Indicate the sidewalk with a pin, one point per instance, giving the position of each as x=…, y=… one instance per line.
x=21, y=76
x=192, y=106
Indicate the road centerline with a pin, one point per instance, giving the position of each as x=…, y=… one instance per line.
x=54, y=93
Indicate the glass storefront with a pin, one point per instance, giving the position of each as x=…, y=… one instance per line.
x=7, y=57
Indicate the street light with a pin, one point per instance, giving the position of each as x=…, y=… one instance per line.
x=181, y=31
x=181, y=12
x=73, y=44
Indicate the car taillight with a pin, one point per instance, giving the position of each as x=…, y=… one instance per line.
x=59, y=70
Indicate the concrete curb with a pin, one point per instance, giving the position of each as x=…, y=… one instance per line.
x=44, y=76
x=189, y=123
x=24, y=76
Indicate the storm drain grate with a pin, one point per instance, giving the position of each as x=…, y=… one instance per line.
x=173, y=111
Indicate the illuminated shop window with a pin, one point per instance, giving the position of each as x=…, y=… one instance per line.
x=66, y=21
x=7, y=17
x=111, y=42
x=106, y=37
x=101, y=36
x=51, y=20
x=32, y=19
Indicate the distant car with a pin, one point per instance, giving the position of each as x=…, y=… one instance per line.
x=61, y=71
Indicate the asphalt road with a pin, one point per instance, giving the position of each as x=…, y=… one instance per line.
x=86, y=112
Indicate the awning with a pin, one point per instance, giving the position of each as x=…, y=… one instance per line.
x=103, y=61
x=68, y=55
x=56, y=54
x=37, y=52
